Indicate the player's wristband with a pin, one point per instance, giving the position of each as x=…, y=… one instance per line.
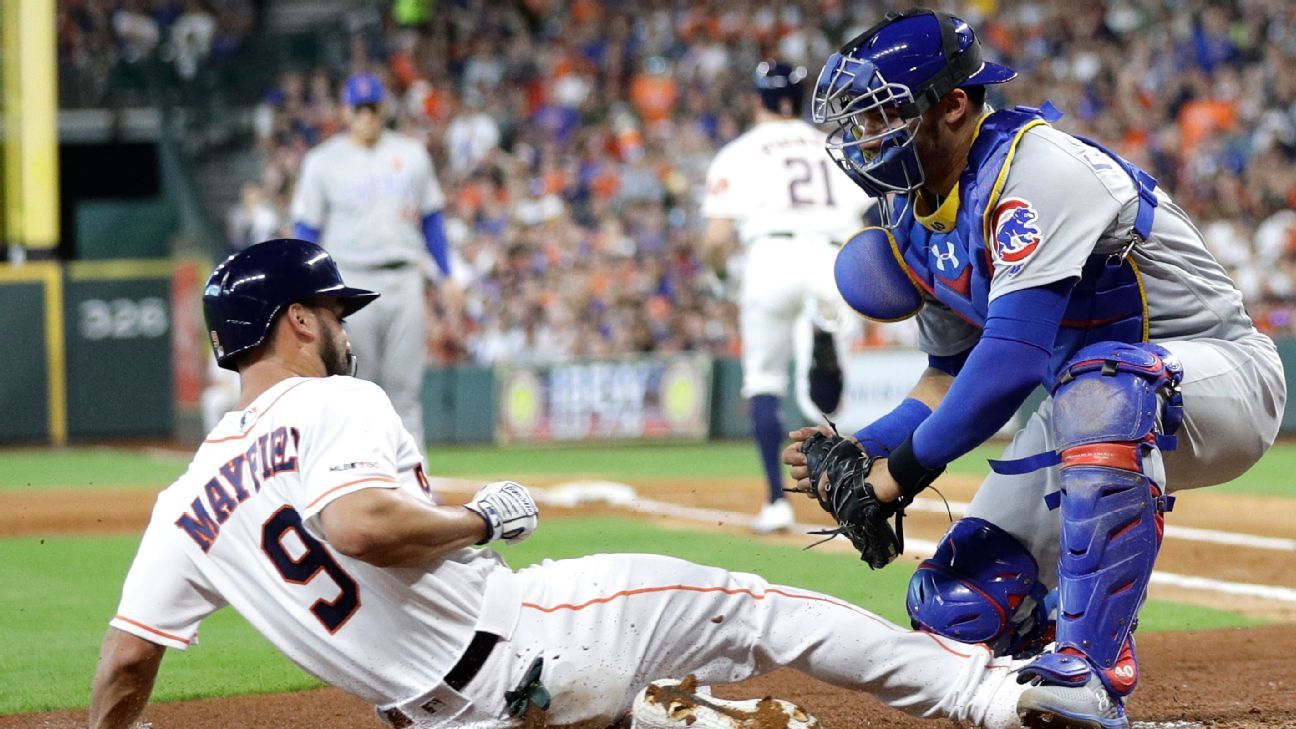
x=486, y=512
x=908, y=473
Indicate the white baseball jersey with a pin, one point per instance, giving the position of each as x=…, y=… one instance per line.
x=791, y=208
x=241, y=528
x=775, y=178
x=369, y=202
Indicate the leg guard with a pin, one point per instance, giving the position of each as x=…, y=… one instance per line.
x=981, y=586
x=1113, y=406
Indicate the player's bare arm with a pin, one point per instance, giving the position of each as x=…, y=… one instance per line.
x=930, y=389
x=717, y=242
x=124, y=679
x=386, y=528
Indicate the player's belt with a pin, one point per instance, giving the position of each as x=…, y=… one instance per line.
x=473, y=658
x=391, y=266
x=790, y=234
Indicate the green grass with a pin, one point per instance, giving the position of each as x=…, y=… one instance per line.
x=89, y=467
x=60, y=592
x=96, y=467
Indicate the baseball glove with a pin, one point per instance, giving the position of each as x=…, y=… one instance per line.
x=851, y=500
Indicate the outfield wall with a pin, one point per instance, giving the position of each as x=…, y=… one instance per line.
x=99, y=349
x=86, y=350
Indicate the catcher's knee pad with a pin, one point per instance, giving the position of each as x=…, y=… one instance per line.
x=981, y=586
x=1113, y=406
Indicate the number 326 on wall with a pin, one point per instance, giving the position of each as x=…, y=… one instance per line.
x=123, y=318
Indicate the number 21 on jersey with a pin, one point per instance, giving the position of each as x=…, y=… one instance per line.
x=809, y=183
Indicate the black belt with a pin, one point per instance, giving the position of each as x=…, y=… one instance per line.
x=389, y=266
x=473, y=658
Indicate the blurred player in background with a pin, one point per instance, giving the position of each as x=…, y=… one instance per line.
x=774, y=190
x=370, y=197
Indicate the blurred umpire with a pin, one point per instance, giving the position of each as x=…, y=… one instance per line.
x=369, y=196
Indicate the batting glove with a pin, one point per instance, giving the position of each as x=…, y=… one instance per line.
x=508, y=510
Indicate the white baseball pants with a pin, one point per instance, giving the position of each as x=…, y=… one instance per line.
x=607, y=625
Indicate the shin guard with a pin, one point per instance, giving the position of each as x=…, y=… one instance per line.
x=1115, y=404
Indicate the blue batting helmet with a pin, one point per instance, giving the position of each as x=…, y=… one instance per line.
x=877, y=86
x=248, y=290
x=776, y=81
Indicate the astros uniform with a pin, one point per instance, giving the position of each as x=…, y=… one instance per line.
x=792, y=210
x=369, y=204
x=1043, y=232
x=241, y=528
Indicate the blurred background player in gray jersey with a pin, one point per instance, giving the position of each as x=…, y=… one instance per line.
x=370, y=197
x=774, y=191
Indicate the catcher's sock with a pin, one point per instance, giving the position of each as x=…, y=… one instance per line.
x=826, y=381
x=767, y=427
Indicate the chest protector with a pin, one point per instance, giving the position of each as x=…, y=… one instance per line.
x=954, y=266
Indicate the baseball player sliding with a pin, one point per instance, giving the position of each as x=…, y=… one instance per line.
x=1031, y=257
x=306, y=510
x=773, y=188
x=369, y=196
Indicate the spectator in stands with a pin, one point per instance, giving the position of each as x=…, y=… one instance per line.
x=191, y=39
x=253, y=220
x=615, y=108
x=471, y=136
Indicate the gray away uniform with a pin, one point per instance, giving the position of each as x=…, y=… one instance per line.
x=1233, y=387
x=369, y=203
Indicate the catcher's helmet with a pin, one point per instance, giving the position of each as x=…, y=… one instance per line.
x=895, y=70
x=776, y=81
x=248, y=290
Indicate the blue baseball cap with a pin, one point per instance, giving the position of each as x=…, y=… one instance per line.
x=363, y=88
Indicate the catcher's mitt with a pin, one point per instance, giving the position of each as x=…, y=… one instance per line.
x=851, y=499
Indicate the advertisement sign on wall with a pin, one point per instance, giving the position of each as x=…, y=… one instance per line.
x=640, y=398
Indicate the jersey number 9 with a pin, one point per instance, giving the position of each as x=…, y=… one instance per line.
x=301, y=570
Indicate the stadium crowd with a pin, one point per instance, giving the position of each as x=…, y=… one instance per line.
x=113, y=51
x=572, y=140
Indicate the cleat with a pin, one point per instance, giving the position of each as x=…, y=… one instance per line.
x=671, y=704
x=1089, y=706
x=775, y=516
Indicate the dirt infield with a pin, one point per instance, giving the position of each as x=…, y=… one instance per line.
x=1231, y=678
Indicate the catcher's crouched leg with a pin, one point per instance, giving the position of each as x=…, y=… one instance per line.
x=981, y=586
x=1114, y=406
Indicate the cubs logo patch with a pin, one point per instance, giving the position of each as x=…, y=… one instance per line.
x=1016, y=231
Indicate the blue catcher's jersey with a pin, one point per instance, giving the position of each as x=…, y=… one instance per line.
x=955, y=259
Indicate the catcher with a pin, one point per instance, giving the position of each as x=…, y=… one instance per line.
x=1031, y=258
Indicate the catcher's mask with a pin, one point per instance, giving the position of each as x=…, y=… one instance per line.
x=876, y=87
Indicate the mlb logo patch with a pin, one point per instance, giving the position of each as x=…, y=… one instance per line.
x=1016, y=231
